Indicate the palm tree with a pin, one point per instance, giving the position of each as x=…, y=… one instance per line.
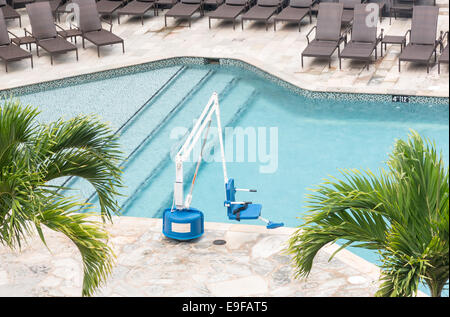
x=403, y=213
x=31, y=156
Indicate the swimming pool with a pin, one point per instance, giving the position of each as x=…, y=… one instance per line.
x=315, y=136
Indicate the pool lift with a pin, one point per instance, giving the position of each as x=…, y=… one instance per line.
x=181, y=221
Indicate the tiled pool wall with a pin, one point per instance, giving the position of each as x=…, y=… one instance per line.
x=85, y=78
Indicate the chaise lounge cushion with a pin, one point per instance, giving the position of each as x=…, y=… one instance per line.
x=13, y=52
x=227, y=11
x=136, y=7
x=102, y=37
x=183, y=9
x=56, y=45
x=357, y=50
x=320, y=48
x=414, y=52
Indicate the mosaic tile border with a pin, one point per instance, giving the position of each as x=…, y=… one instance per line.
x=79, y=79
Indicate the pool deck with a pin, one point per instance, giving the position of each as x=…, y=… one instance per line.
x=251, y=263
x=275, y=52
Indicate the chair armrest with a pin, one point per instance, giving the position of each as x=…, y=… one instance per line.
x=107, y=22
x=62, y=30
x=380, y=37
x=408, y=32
x=309, y=33
x=18, y=38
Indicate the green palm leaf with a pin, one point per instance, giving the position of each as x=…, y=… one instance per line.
x=31, y=155
x=403, y=213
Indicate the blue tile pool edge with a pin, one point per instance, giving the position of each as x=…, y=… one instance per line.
x=133, y=69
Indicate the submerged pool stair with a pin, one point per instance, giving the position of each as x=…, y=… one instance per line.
x=234, y=100
x=149, y=158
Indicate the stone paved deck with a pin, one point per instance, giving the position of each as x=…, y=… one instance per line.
x=251, y=263
x=275, y=52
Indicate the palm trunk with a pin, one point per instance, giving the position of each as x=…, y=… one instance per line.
x=436, y=286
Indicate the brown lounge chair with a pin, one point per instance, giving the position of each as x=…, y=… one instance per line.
x=108, y=7
x=422, y=37
x=9, y=13
x=349, y=5
x=185, y=9
x=364, y=40
x=328, y=32
x=160, y=4
x=91, y=27
x=137, y=8
x=230, y=10
x=20, y=3
x=44, y=31
x=262, y=11
x=212, y=3
x=54, y=5
x=444, y=53
x=10, y=52
x=296, y=11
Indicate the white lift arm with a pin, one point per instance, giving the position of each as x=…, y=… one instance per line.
x=203, y=122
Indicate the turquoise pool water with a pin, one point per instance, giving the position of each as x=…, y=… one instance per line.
x=315, y=137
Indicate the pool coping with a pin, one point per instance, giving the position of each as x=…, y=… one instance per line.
x=193, y=60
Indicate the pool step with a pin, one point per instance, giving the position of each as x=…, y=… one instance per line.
x=151, y=118
x=161, y=147
x=148, y=202
x=156, y=149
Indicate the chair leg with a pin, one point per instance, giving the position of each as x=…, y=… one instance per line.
x=76, y=53
x=31, y=57
x=6, y=66
x=98, y=51
x=51, y=59
x=302, y=60
x=123, y=47
x=242, y=24
x=165, y=21
x=209, y=23
x=439, y=68
x=399, y=65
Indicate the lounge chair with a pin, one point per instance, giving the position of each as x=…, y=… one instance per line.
x=185, y=9
x=44, y=31
x=349, y=5
x=400, y=6
x=20, y=3
x=160, y=4
x=262, y=11
x=230, y=10
x=54, y=5
x=422, y=37
x=108, y=7
x=212, y=3
x=364, y=40
x=10, y=52
x=296, y=11
x=328, y=35
x=137, y=8
x=444, y=53
x=91, y=27
x=9, y=13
